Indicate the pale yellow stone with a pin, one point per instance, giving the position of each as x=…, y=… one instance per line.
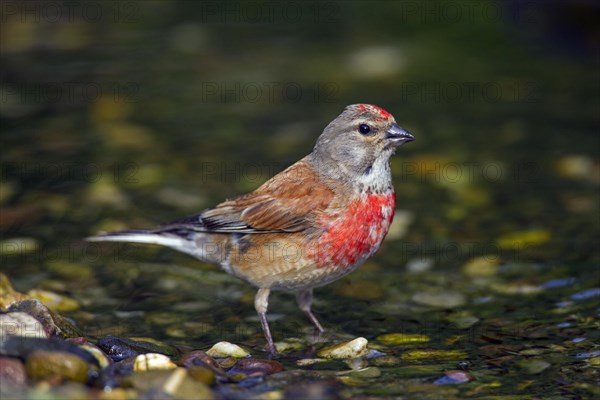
x=226, y=349
x=352, y=349
x=150, y=361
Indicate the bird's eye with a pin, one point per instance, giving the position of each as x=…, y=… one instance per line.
x=364, y=129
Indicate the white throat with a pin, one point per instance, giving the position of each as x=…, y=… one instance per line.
x=378, y=178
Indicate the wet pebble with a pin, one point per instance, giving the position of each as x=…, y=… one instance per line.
x=23, y=347
x=327, y=390
x=557, y=283
x=352, y=349
x=590, y=354
x=419, y=265
x=8, y=295
x=372, y=354
x=169, y=384
x=387, y=361
x=12, y=372
x=483, y=266
x=515, y=288
x=415, y=355
x=576, y=166
x=103, y=360
x=454, y=377
x=254, y=366
x=444, y=299
x=21, y=324
x=586, y=294
x=53, y=323
x=48, y=364
x=150, y=361
x=16, y=246
x=113, y=375
x=521, y=239
x=290, y=344
x=365, y=373
x=54, y=301
x=200, y=359
x=202, y=374
x=533, y=366
x=226, y=349
x=116, y=348
x=463, y=321
x=120, y=348
x=402, y=338
x=180, y=385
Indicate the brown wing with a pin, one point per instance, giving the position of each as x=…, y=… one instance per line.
x=288, y=202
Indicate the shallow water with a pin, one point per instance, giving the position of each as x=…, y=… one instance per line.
x=160, y=109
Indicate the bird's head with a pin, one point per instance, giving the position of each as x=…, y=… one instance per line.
x=361, y=139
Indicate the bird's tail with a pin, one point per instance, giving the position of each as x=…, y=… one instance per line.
x=197, y=244
x=167, y=239
x=140, y=236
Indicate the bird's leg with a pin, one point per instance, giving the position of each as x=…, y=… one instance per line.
x=304, y=299
x=261, y=303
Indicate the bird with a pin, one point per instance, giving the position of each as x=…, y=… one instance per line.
x=307, y=226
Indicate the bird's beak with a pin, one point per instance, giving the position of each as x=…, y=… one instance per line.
x=398, y=135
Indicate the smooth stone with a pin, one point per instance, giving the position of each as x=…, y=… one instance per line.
x=114, y=375
x=558, y=283
x=454, y=377
x=23, y=347
x=12, y=372
x=483, y=266
x=54, y=301
x=43, y=364
x=586, y=294
x=304, y=362
x=312, y=390
x=202, y=374
x=227, y=362
x=173, y=384
x=53, y=323
x=5, y=285
x=534, y=366
x=445, y=299
x=402, y=338
x=198, y=358
x=251, y=366
x=116, y=348
x=150, y=361
x=522, y=239
x=103, y=360
x=419, y=265
x=367, y=372
x=21, y=324
x=120, y=348
x=290, y=344
x=226, y=349
x=18, y=246
x=352, y=349
x=8, y=295
x=463, y=321
x=181, y=386
x=387, y=361
x=415, y=355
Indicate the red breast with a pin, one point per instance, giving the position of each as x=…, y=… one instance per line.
x=356, y=233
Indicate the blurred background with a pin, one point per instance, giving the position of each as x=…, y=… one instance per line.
x=129, y=114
